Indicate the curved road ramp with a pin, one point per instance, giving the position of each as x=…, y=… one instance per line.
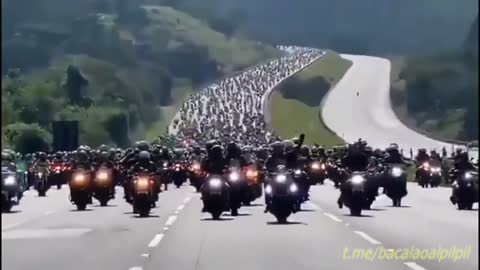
x=369, y=114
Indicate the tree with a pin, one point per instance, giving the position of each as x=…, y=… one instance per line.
x=28, y=138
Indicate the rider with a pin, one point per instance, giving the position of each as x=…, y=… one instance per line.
x=215, y=163
x=234, y=156
x=7, y=162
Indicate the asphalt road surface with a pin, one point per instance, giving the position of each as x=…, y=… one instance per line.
x=369, y=115
x=48, y=233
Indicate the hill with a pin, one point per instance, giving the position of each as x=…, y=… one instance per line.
x=128, y=63
x=372, y=27
x=438, y=94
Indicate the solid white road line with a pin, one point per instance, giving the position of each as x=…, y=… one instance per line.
x=146, y=255
x=333, y=217
x=414, y=266
x=368, y=238
x=170, y=220
x=135, y=268
x=12, y=225
x=156, y=240
x=187, y=200
x=180, y=208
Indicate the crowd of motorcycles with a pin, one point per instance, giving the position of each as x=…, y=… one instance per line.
x=230, y=176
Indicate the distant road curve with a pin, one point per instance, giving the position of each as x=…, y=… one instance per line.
x=369, y=115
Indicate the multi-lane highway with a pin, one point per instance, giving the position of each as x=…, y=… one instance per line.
x=47, y=233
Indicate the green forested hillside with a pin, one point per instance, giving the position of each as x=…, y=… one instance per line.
x=112, y=64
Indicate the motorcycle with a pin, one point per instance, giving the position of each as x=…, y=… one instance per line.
x=423, y=175
x=254, y=186
x=178, y=175
x=435, y=176
x=396, y=187
x=465, y=190
x=143, y=197
x=301, y=179
x=80, y=189
x=12, y=191
x=103, y=185
x=354, y=193
x=237, y=182
x=41, y=182
x=215, y=196
x=317, y=172
x=196, y=175
x=57, y=174
x=282, y=196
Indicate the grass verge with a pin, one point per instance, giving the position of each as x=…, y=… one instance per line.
x=295, y=104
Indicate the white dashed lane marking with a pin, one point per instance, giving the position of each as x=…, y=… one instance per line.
x=156, y=240
x=170, y=220
x=414, y=266
x=333, y=217
x=368, y=238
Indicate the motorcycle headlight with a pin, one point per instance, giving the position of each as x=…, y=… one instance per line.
x=435, y=169
x=268, y=189
x=215, y=182
x=196, y=167
x=397, y=172
x=323, y=167
x=40, y=174
x=468, y=176
x=297, y=172
x=281, y=178
x=315, y=166
x=79, y=177
x=357, y=179
x=142, y=183
x=102, y=175
x=9, y=180
x=234, y=176
x=426, y=165
x=251, y=174
x=293, y=188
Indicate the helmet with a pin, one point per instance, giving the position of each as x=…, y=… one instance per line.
x=102, y=156
x=142, y=145
x=233, y=149
x=103, y=147
x=144, y=156
x=216, y=152
x=42, y=156
x=6, y=156
x=58, y=155
x=82, y=155
x=305, y=151
x=288, y=145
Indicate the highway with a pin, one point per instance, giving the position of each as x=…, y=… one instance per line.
x=369, y=115
x=48, y=233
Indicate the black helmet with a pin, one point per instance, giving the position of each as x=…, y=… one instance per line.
x=82, y=155
x=304, y=150
x=103, y=147
x=144, y=156
x=216, y=152
x=142, y=145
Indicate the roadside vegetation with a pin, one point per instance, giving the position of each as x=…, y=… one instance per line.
x=438, y=94
x=295, y=104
